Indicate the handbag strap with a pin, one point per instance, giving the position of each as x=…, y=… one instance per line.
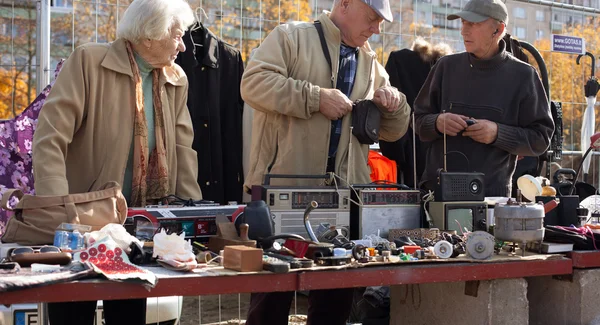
x=71, y=209
x=319, y=28
x=8, y=195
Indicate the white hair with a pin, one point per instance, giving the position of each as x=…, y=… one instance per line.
x=153, y=19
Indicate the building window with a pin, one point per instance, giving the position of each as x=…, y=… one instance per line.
x=520, y=13
x=453, y=24
x=520, y=32
x=539, y=34
x=20, y=61
x=63, y=3
x=439, y=20
x=539, y=15
x=4, y=29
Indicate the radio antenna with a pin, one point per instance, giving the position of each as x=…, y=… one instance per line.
x=444, y=111
x=414, y=152
x=349, y=158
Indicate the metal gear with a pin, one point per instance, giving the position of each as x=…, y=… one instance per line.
x=480, y=245
x=443, y=249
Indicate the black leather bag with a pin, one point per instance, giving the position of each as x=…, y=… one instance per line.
x=366, y=117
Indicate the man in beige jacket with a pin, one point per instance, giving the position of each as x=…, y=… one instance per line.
x=302, y=125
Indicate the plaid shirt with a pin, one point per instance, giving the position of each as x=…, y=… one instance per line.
x=345, y=82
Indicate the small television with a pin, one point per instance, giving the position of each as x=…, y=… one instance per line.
x=458, y=216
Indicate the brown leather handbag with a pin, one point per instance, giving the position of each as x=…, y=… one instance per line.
x=37, y=217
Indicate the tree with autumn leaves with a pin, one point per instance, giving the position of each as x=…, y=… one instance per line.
x=17, y=52
x=567, y=79
x=244, y=24
x=70, y=27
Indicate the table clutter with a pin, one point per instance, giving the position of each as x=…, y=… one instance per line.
x=464, y=229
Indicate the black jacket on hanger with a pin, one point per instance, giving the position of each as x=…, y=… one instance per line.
x=214, y=70
x=408, y=72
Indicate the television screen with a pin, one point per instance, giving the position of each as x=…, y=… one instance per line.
x=459, y=219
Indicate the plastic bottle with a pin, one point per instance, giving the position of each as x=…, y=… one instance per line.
x=61, y=239
x=75, y=240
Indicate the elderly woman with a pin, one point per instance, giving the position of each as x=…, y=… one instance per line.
x=117, y=112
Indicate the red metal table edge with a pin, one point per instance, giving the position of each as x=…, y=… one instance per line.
x=299, y=281
x=432, y=273
x=585, y=259
x=177, y=286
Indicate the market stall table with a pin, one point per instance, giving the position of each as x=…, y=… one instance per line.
x=432, y=273
x=585, y=259
x=171, y=283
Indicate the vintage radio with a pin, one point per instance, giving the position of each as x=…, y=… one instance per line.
x=458, y=215
x=376, y=211
x=197, y=222
x=287, y=205
x=456, y=186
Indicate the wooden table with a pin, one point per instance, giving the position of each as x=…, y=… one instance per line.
x=179, y=284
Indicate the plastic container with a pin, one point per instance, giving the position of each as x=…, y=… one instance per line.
x=76, y=240
x=61, y=239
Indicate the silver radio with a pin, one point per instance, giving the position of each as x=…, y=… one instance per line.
x=287, y=204
x=376, y=211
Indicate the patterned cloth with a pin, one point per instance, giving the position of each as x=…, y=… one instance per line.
x=25, y=278
x=16, y=138
x=345, y=82
x=150, y=170
x=108, y=259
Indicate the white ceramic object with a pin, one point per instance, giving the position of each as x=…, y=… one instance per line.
x=530, y=187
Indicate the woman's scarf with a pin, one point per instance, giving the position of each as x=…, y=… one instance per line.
x=150, y=172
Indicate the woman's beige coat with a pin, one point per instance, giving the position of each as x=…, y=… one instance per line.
x=85, y=127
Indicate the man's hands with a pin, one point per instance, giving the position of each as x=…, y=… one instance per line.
x=450, y=123
x=334, y=104
x=387, y=98
x=482, y=131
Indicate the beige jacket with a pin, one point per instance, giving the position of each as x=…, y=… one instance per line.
x=289, y=134
x=85, y=127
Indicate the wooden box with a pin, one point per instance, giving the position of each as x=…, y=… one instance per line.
x=242, y=258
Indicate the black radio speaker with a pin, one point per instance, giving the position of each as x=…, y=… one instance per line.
x=455, y=186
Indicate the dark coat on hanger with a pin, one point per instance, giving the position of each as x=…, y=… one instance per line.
x=214, y=69
x=408, y=70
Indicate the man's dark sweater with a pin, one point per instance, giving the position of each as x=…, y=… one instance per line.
x=501, y=89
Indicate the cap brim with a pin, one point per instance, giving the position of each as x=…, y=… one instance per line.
x=468, y=16
x=385, y=13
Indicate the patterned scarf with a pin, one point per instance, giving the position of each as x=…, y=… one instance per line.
x=150, y=173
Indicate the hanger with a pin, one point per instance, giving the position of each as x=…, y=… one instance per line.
x=199, y=18
x=198, y=24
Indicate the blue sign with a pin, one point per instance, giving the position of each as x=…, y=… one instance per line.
x=568, y=44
